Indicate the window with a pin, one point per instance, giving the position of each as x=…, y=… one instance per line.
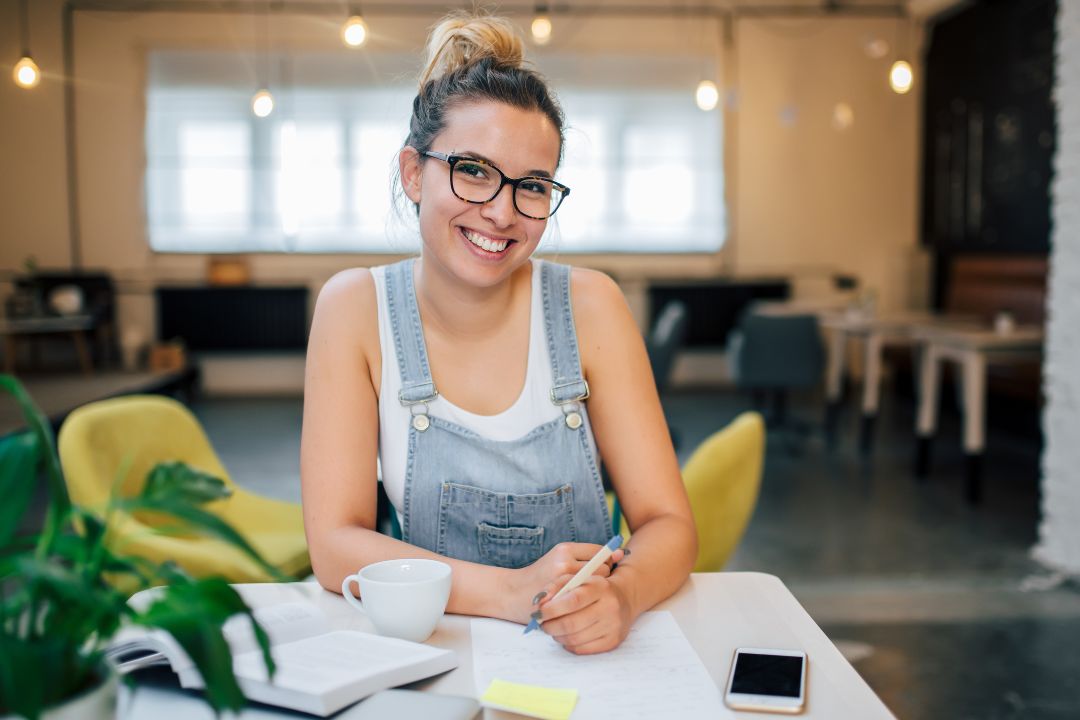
x=643, y=163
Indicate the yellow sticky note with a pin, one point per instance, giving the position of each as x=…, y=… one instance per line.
x=532, y=700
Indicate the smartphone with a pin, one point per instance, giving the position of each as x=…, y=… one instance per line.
x=767, y=680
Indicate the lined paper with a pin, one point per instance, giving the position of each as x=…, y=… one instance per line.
x=654, y=673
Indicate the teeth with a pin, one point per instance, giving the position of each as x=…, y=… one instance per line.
x=488, y=244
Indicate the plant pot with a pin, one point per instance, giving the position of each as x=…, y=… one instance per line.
x=95, y=703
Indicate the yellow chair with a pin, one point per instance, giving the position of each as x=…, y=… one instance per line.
x=98, y=439
x=722, y=479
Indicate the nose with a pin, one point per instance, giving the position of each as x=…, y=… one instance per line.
x=500, y=210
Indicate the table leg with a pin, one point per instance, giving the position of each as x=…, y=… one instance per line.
x=9, y=354
x=84, y=355
x=871, y=389
x=974, y=370
x=926, y=424
x=834, y=378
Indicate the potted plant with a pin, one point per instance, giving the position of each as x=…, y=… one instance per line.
x=59, y=606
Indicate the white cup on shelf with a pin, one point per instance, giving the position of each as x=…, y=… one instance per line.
x=402, y=598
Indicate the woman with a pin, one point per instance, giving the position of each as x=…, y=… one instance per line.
x=466, y=371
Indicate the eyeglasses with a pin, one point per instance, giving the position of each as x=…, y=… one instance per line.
x=478, y=182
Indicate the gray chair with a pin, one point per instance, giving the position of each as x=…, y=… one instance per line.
x=774, y=355
x=664, y=341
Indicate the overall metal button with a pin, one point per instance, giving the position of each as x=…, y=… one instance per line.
x=573, y=420
x=421, y=422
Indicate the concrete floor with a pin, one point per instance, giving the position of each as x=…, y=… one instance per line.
x=931, y=599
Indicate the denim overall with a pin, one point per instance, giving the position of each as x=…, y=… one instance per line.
x=503, y=503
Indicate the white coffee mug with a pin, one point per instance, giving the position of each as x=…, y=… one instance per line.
x=403, y=598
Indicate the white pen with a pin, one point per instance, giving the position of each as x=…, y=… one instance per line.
x=583, y=574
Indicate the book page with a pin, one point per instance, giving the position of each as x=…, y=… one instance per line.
x=133, y=646
x=323, y=663
x=283, y=623
x=654, y=673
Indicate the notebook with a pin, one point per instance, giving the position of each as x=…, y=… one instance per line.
x=319, y=670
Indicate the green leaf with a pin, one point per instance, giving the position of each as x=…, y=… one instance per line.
x=59, y=501
x=20, y=457
x=177, y=489
x=194, y=613
x=177, y=482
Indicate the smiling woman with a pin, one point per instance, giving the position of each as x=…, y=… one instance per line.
x=487, y=382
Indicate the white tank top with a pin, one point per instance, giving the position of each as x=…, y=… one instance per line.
x=533, y=406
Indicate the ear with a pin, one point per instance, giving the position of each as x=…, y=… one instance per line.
x=411, y=170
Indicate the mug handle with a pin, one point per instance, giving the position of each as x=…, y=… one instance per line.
x=346, y=591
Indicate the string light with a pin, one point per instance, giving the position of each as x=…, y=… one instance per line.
x=707, y=95
x=354, y=32
x=901, y=77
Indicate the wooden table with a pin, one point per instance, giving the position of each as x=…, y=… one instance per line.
x=74, y=326
x=874, y=331
x=972, y=348
x=717, y=612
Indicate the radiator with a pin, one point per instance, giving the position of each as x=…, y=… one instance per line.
x=234, y=318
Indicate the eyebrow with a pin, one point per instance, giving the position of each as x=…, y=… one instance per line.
x=478, y=156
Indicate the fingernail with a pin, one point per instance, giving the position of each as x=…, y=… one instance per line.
x=536, y=616
x=539, y=596
x=625, y=552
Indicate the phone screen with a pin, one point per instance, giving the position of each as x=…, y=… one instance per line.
x=759, y=674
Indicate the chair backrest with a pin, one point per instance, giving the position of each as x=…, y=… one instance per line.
x=778, y=351
x=134, y=432
x=722, y=479
x=667, y=336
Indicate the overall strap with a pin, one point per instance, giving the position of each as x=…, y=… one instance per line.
x=416, y=383
x=568, y=383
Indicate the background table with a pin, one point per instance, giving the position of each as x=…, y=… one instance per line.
x=74, y=326
x=717, y=612
x=972, y=348
x=875, y=331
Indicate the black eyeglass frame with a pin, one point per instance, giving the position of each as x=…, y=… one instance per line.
x=453, y=160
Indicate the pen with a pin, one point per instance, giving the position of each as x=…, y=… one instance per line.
x=583, y=574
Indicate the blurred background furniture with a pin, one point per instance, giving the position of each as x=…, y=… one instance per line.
x=722, y=479
x=972, y=349
x=667, y=336
x=875, y=332
x=35, y=310
x=135, y=433
x=774, y=354
x=75, y=327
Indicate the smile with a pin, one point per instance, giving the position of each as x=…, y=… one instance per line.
x=484, y=242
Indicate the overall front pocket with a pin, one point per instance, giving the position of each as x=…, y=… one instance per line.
x=509, y=530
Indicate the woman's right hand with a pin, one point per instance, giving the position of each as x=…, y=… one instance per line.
x=527, y=583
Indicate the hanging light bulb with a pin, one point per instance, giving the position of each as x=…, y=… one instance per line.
x=26, y=73
x=262, y=104
x=901, y=77
x=541, y=26
x=707, y=95
x=354, y=32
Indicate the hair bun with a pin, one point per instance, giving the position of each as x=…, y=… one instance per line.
x=462, y=39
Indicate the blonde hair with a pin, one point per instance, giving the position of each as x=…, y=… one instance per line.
x=460, y=39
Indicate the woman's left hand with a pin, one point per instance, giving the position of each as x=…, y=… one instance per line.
x=592, y=618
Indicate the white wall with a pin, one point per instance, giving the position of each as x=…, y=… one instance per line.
x=801, y=196
x=1059, y=533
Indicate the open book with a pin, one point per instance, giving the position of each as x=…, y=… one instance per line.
x=319, y=670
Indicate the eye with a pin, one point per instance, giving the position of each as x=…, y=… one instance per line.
x=472, y=169
x=535, y=186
